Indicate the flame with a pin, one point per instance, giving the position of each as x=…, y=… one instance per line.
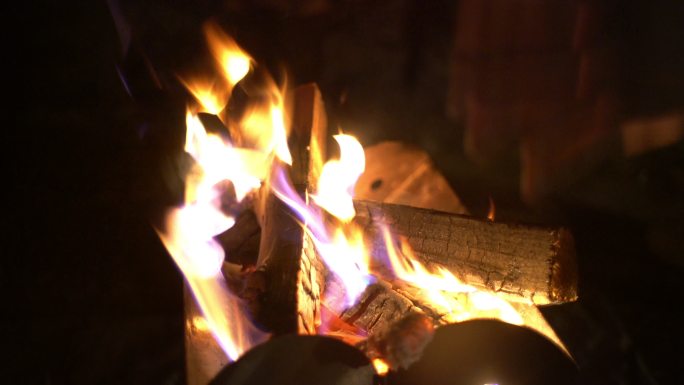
x=213, y=94
x=453, y=300
x=231, y=59
x=218, y=160
x=492, y=209
x=346, y=256
x=208, y=93
x=200, y=324
x=338, y=177
x=189, y=239
x=260, y=152
x=381, y=367
x=190, y=230
x=265, y=126
x=341, y=246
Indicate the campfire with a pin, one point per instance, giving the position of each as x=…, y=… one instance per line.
x=276, y=237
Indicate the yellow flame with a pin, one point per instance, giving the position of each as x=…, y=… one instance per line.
x=189, y=240
x=200, y=324
x=346, y=256
x=454, y=300
x=232, y=60
x=212, y=98
x=190, y=230
x=262, y=135
x=212, y=94
x=218, y=161
x=338, y=177
x=381, y=367
x=266, y=128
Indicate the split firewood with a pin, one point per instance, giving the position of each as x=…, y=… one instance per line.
x=521, y=262
x=286, y=258
x=403, y=174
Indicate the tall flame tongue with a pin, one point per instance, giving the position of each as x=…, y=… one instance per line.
x=190, y=229
x=190, y=232
x=337, y=180
x=213, y=93
x=341, y=247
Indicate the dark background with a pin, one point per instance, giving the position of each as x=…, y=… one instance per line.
x=90, y=294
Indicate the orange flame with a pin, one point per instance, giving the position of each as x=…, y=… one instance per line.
x=213, y=94
x=231, y=59
x=381, y=367
x=190, y=229
x=454, y=300
x=266, y=127
x=208, y=93
x=338, y=177
x=262, y=135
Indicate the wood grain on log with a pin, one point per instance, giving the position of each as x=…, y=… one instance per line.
x=290, y=301
x=521, y=262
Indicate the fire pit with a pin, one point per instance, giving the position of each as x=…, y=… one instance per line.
x=275, y=240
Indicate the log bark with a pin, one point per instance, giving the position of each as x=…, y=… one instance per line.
x=521, y=262
x=286, y=259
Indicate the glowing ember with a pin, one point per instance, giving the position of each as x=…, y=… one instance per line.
x=380, y=366
x=337, y=180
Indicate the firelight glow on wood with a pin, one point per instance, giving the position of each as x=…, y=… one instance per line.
x=259, y=158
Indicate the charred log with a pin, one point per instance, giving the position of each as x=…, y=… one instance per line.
x=292, y=289
x=522, y=262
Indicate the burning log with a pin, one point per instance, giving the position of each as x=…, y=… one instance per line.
x=521, y=262
x=286, y=257
x=524, y=263
x=403, y=174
